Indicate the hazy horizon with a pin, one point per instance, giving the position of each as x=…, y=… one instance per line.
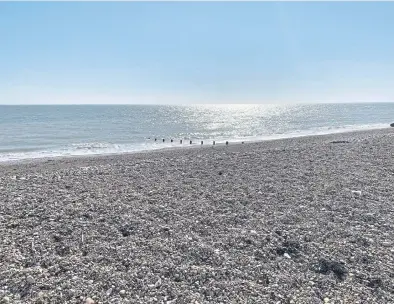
x=193, y=104
x=196, y=52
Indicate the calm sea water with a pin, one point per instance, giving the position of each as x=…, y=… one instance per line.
x=47, y=131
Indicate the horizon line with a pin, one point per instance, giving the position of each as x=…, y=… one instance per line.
x=189, y=104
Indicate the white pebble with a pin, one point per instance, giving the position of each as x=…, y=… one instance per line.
x=122, y=292
x=356, y=192
x=6, y=300
x=286, y=255
x=89, y=301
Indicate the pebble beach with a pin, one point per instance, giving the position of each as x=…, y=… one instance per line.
x=302, y=220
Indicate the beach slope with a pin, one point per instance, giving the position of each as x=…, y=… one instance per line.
x=306, y=220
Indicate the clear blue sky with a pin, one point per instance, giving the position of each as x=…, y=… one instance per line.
x=195, y=52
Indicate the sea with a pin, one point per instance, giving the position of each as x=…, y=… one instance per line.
x=39, y=131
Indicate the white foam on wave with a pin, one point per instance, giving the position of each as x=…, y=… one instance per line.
x=324, y=131
x=105, y=148
x=86, y=149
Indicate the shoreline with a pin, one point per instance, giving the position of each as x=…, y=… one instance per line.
x=299, y=220
x=181, y=148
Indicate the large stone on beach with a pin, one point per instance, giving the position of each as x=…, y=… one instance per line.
x=392, y=125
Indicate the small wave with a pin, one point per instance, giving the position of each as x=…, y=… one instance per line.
x=86, y=149
x=320, y=131
x=94, y=145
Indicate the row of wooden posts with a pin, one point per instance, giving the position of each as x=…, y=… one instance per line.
x=202, y=142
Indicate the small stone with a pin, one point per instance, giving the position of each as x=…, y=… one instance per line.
x=5, y=300
x=89, y=301
x=122, y=293
x=356, y=192
x=286, y=255
x=326, y=300
x=30, y=280
x=109, y=292
x=158, y=283
x=40, y=301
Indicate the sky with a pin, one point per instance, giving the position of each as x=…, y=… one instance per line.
x=196, y=52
